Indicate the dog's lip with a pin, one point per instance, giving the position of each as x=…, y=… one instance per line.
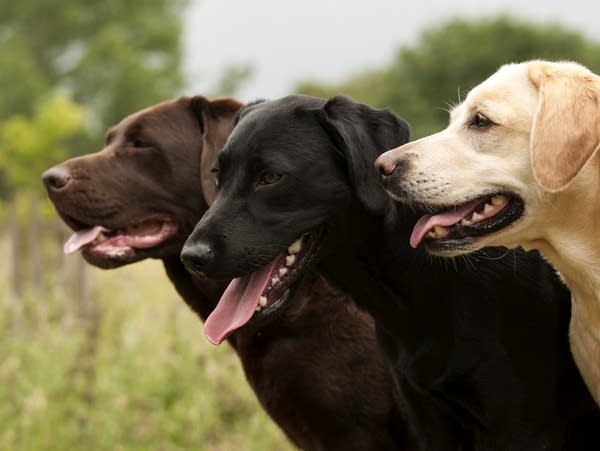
x=259, y=296
x=287, y=273
x=122, y=242
x=459, y=226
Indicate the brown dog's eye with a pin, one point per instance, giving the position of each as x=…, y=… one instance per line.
x=137, y=143
x=269, y=178
x=480, y=121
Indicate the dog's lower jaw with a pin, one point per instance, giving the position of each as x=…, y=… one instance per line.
x=450, y=249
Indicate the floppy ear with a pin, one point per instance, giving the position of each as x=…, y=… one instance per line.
x=361, y=133
x=215, y=119
x=566, y=127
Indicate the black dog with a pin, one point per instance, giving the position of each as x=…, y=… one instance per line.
x=479, y=351
x=315, y=366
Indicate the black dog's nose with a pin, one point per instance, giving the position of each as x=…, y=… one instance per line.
x=56, y=177
x=196, y=257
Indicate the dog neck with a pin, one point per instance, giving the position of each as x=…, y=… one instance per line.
x=571, y=243
x=569, y=238
x=369, y=259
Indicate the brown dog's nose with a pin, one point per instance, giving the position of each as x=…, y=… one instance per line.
x=385, y=165
x=56, y=178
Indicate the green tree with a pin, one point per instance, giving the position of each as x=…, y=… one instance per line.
x=232, y=79
x=423, y=81
x=113, y=56
x=28, y=145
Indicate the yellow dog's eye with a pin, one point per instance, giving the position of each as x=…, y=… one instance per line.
x=269, y=178
x=480, y=121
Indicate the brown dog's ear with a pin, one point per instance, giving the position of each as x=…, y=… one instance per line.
x=566, y=127
x=215, y=118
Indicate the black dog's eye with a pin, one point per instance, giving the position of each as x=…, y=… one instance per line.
x=481, y=122
x=269, y=178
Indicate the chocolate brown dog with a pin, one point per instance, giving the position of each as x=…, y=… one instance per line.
x=314, y=366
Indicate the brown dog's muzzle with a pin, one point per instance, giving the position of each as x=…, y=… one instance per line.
x=56, y=178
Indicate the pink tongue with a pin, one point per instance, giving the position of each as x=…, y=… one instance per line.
x=445, y=219
x=238, y=304
x=81, y=238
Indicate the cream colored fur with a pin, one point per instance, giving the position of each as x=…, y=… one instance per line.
x=542, y=147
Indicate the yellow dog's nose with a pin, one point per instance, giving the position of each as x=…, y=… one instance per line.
x=385, y=165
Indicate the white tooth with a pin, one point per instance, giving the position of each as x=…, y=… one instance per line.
x=431, y=234
x=282, y=271
x=262, y=301
x=295, y=247
x=258, y=308
x=476, y=217
x=274, y=280
x=440, y=230
x=289, y=260
x=465, y=222
x=99, y=239
x=499, y=199
x=487, y=209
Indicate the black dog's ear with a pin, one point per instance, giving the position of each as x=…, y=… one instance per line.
x=362, y=133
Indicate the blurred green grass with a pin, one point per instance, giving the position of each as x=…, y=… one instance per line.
x=137, y=374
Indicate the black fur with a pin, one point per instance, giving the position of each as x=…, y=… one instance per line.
x=478, y=347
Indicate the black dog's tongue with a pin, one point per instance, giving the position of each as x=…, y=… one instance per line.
x=238, y=304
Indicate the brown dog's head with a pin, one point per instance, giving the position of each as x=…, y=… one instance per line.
x=141, y=195
x=514, y=163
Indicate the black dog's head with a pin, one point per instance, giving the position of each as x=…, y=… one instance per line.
x=289, y=171
x=141, y=195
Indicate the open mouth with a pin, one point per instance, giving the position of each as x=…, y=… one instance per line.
x=455, y=227
x=262, y=292
x=121, y=243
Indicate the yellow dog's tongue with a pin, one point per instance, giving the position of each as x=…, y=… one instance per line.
x=237, y=305
x=445, y=219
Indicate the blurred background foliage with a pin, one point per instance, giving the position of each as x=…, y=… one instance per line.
x=424, y=80
x=100, y=360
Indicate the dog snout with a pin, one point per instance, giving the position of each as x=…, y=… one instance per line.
x=389, y=165
x=386, y=165
x=56, y=178
x=197, y=257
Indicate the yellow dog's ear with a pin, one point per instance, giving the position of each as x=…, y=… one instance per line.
x=566, y=126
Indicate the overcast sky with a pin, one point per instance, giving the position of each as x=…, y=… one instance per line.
x=287, y=41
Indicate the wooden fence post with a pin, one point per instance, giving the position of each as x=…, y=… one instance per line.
x=15, y=290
